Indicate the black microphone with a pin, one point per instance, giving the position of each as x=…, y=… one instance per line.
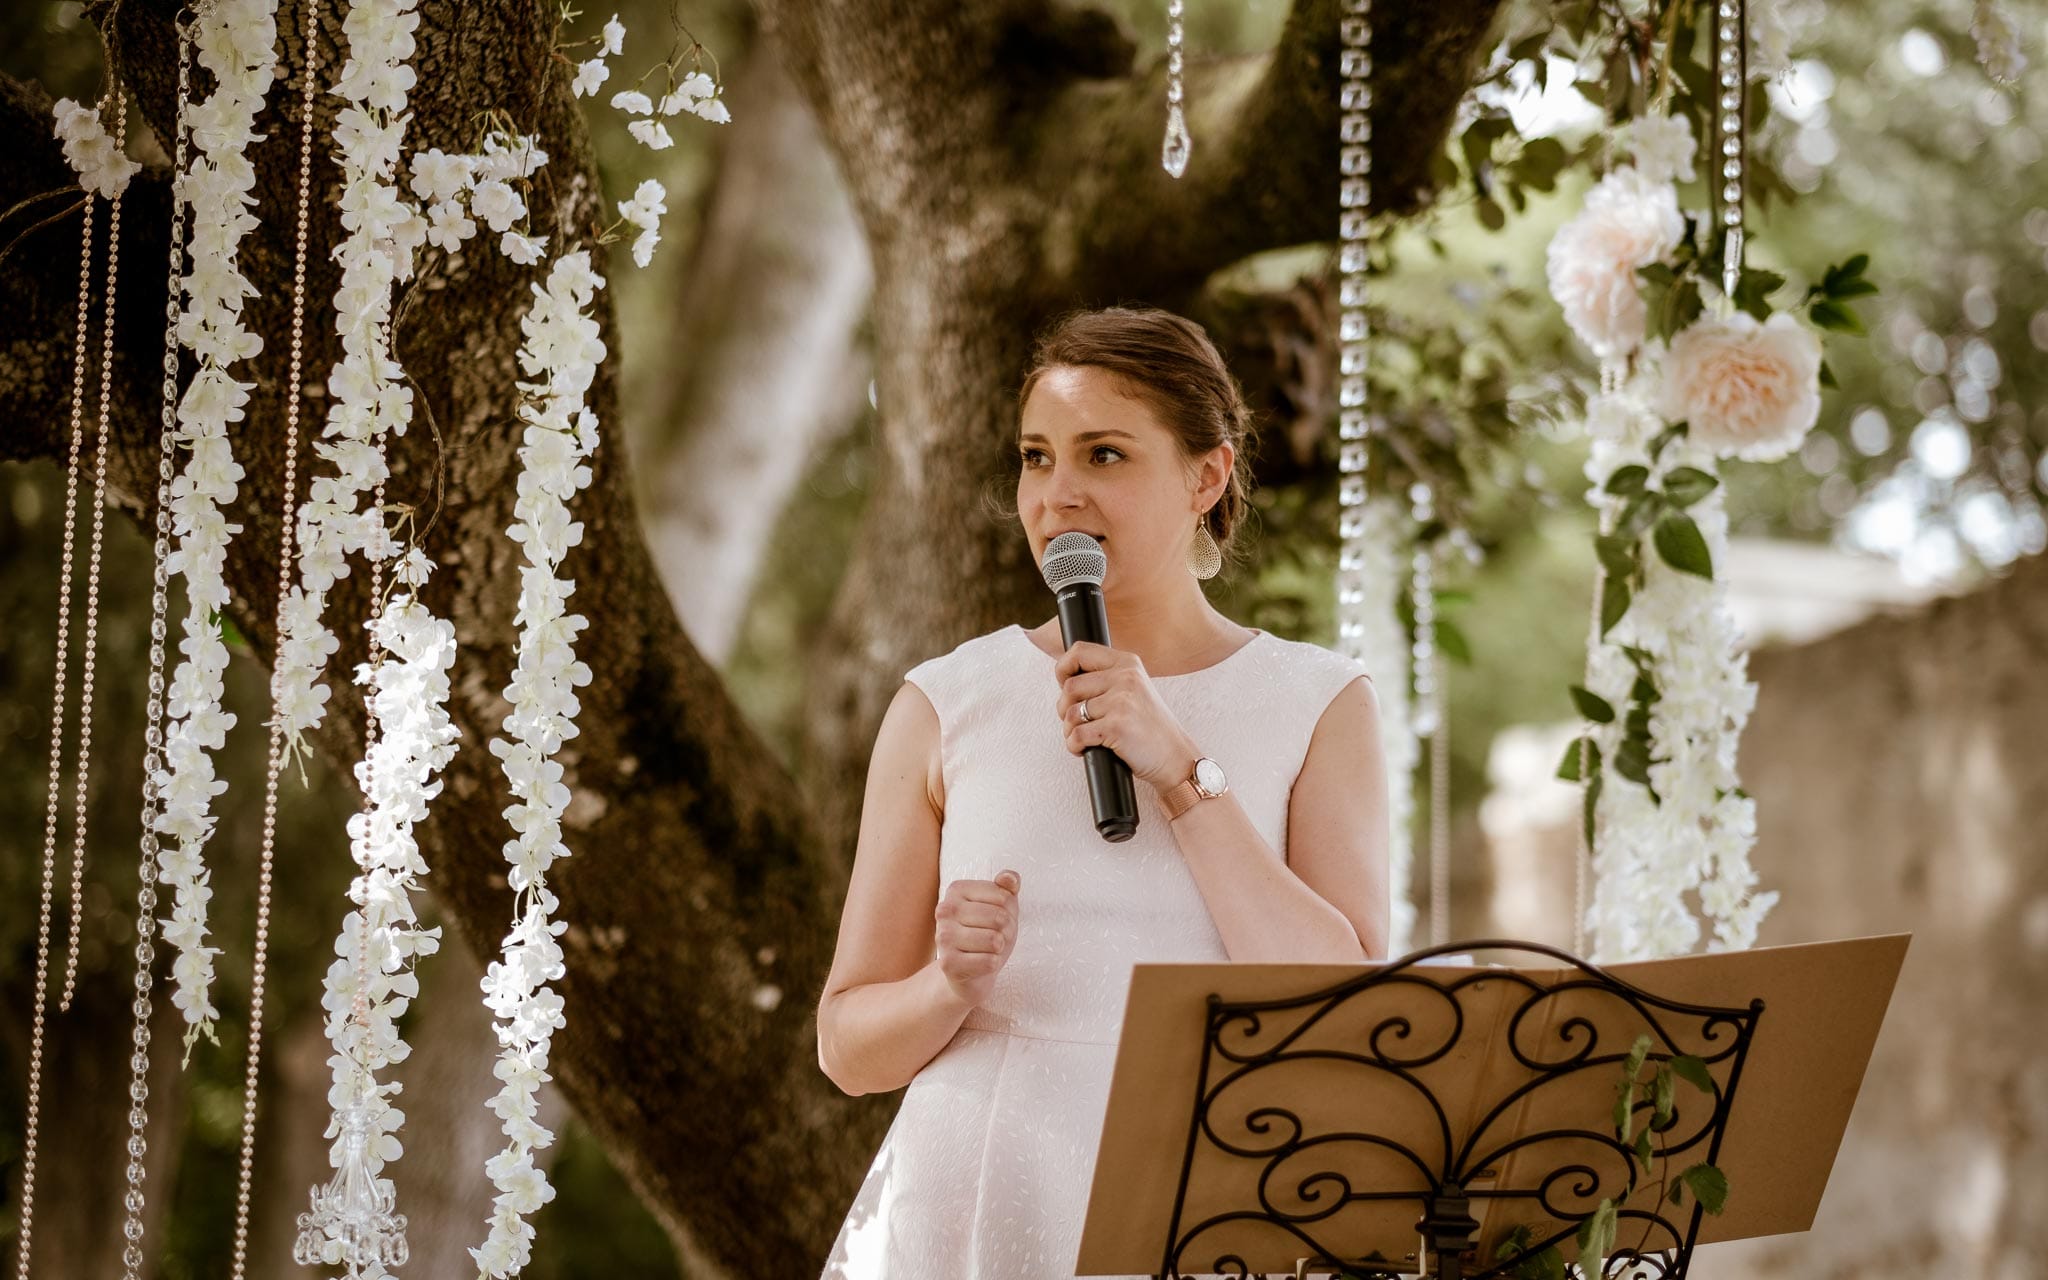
x=1073, y=567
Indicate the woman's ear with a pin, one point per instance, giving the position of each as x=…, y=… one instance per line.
x=1216, y=468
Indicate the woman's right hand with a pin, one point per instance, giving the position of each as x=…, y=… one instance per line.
x=976, y=930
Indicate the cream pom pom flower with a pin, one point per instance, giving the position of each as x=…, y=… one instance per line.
x=1630, y=220
x=1748, y=390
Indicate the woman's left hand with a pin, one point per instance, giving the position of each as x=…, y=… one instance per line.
x=1125, y=713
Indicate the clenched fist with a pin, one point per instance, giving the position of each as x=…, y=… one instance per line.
x=976, y=930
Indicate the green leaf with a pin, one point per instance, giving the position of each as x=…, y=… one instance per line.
x=1708, y=1184
x=1657, y=273
x=1592, y=706
x=1638, y=1053
x=1827, y=377
x=1568, y=768
x=1676, y=1193
x=1679, y=308
x=1833, y=315
x=1835, y=277
x=1645, y=1150
x=1684, y=486
x=1491, y=215
x=1514, y=1242
x=1617, y=553
x=1623, y=1109
x=1628, y=481
x=1682, y=546
x=1596, y=1239
x=1590, y=807
x=1614, y=601
x=230, y=634
x=1852, y=289
x=1665, y=1094
x=1693, y=1071
x=1451, y=642
x=1632, y=760
x=1753, y=288
x=1541, y=161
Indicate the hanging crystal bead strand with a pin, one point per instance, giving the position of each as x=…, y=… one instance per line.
x=1354, y=199
x=1173, y=153
x=1422, y=604
x=1731, y=69
x=286, y=562
x=153, y=714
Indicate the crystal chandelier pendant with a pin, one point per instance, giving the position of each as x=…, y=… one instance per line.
x=352, y=1222
x=1174, y=154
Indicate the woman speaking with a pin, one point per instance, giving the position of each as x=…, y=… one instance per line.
x=988, y=934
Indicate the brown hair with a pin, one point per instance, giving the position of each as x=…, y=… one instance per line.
x=1167, y=362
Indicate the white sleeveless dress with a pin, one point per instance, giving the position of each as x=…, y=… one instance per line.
x=985, y=1172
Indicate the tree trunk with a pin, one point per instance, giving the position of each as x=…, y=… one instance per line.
x=756, y=368
x=1001, y=158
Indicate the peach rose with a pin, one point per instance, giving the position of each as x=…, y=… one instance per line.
x=1749, y=390
x=1629, y=221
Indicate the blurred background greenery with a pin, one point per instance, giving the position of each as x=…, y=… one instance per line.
x=1931, y=455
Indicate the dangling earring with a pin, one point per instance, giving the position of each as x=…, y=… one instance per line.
x=1204, y=559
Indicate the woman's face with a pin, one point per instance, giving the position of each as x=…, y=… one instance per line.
x=1094, y=458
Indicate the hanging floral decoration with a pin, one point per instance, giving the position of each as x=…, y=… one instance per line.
x=236, y=41
x=560, y=356
x=1691, y=374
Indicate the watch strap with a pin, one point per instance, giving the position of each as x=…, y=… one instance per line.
x=1179, y=798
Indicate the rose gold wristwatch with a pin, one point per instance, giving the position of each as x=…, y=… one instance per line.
x=1206, y=784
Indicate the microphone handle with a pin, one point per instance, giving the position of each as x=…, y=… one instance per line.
x=1110, y=792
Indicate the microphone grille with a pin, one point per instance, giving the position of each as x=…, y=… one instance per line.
x=1073, y=557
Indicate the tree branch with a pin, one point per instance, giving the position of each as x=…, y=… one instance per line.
x=1263, y=170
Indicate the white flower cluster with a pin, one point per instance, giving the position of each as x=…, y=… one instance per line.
x=370, y=397
x=1385, y=652
x=1696, y=835
x=236, y=41
x=695, y=93
x=561, y=355
x=644, y=211
x=454, y=187
x=370, y=983
x=103, y=168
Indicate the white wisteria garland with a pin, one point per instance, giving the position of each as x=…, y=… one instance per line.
x=1676, y=821
x=236, y=40
x=560, y=356
x=1667, y=690
x=371, y=982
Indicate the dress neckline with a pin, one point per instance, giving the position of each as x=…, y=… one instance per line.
x=1257, y=635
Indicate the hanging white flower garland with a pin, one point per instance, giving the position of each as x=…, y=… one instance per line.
x=1667, y=692
x=236, y=41
x=370, y=983
x=561, y=355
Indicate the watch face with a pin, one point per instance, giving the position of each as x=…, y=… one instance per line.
x=1209, y=776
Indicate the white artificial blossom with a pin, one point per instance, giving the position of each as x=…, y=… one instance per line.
x=102, y=167
x=236, y=40
x=558, y=433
